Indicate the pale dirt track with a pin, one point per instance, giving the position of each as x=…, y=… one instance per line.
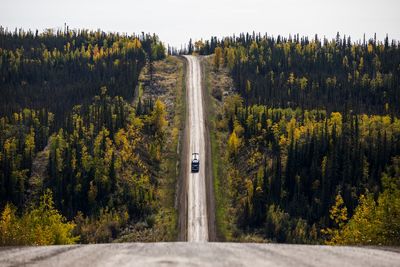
x=197, y=254
x=197, y=225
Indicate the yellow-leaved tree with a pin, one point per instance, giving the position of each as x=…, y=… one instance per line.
x=217, y=57
x=159, y=117
x=373, y=222
x=233, y=144
x=338, y=214
x=158, y=122
x=41, y=225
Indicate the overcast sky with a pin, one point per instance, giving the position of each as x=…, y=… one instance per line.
x=175, y=21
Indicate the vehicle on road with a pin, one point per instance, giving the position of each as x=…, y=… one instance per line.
x=195, y=162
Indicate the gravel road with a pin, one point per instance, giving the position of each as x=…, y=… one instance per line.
x=197, y=254
x=197, y=204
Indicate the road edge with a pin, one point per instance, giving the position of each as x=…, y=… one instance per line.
x=182, y=182
x=212, y=233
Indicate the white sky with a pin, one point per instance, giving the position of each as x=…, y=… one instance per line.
x=175, y=21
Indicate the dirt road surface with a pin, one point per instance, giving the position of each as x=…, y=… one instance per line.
x=197, y=254
x=197, y=225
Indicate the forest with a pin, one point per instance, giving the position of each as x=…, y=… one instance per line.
x=78, y=162
x=336, y=75
x=308, y=137
x=312, y=137
x=39, y=70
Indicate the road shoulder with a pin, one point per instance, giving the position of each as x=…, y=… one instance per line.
x=208, y=106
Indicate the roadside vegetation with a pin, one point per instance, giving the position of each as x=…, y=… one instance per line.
x=308, y=145
x=163, y=82
x=39, y=225
x=218, y=83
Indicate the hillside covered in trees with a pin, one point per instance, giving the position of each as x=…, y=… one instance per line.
x=72, y=146
x=311, y=143
x=49, y=70
x=336, y=75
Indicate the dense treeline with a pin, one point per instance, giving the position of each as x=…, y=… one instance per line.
x=312, y=138
x=375, y=221
x=72, y=147
x=297, y=161
x=21, y=137
x=336, y=75
x=94, y=161
x=101, y=166
x=307, y=157
x=57, y=70
x=106, y=158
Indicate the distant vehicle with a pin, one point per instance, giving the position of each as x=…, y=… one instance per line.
x=195, y=162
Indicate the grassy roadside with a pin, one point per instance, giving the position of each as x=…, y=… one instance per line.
x=172, y=160
x=219, y=161
x=167, y=217
x=168, y=85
